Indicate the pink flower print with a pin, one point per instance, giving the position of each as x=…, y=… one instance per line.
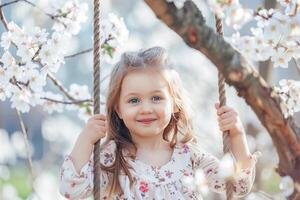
x=62, y=173
x=168, y=173
x=185, y=148
x=185, y=172
x=108, y=158
x=67, y=195
x=144, y=187
x=209, y=170
x=246, y=171
x=72, y=184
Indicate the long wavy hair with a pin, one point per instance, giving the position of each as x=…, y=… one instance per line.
x=180, y=127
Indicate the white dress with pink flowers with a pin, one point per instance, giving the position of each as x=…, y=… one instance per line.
x=171, y=181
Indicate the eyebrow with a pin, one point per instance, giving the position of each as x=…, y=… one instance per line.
x=134, y=93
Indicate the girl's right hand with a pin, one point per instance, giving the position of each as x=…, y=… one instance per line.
x=95, y=128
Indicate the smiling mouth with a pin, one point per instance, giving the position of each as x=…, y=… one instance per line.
x=146, y=121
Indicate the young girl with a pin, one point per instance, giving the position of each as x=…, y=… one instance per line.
x=150, y=147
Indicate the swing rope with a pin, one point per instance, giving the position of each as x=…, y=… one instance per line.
x=222, y=99
x=96, y=94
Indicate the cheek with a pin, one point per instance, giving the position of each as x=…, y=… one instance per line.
x=129, y=113
x=166, y=112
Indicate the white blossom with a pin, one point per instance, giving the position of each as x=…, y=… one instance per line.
x=280, y=58
x=273, y=30
x=21, y=100
x=237, y=16
x=39, y=35
x=294, y=26
x=4, y=79
x=25, y=52
x=289, y=5
x=31, y=65
x=47, y=54
x=18, y=35
x=3, y=93
x=51, y=106
x=71, y=15
x=262, y=49
x=58, y=41
x=7, y=59
x=115, y=36
x=6, y=40
x=289, y=92
x=79, y=92
x=36, y=80
x=15, y=71
x=263, y=16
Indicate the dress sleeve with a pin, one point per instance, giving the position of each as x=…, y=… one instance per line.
x=243, y=179
x=74, y=185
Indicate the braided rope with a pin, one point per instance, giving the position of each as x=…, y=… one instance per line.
x=222, y=99
x=96, y=94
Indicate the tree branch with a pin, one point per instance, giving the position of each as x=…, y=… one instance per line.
x=27, y=147
x=53, y=17
x=3, y=20
x=79, y=53
x=189, y=24
x=9, y=3
x=60, y=86
x=297, y=65
x=89, y=101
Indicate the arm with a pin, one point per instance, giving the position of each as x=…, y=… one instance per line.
x=81, y=152
x=240, y=150
x=229, y=121
x=94, y=130
x=76, y=178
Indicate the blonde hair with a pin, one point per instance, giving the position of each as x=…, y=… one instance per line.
x=156, y=58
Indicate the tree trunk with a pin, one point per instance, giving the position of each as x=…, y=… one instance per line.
x=189, y=24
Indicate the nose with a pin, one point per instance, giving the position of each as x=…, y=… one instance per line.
x=146, y=108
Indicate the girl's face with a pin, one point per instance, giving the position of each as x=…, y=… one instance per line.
x=145, y=103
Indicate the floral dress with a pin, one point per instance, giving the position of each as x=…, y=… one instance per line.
x=164, y=183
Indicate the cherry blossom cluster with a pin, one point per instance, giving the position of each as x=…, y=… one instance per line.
x=289, y=92
x=113, y=36
x=276, y=36
x=69, y=17
x=29, y=57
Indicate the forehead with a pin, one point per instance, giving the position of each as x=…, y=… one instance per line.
x=144, y=81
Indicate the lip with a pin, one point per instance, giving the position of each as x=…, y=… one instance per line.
x=147, y=120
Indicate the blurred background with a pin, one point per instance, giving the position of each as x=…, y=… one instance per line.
x=52, y=136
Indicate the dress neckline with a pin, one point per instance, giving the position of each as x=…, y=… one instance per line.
x=171, y=160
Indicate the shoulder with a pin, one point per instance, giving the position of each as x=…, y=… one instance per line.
x=198, y=155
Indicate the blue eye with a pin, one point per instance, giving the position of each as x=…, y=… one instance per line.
x=156, y=98
x=133, y=101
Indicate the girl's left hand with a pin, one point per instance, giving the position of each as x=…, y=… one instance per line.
x=228, y=119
